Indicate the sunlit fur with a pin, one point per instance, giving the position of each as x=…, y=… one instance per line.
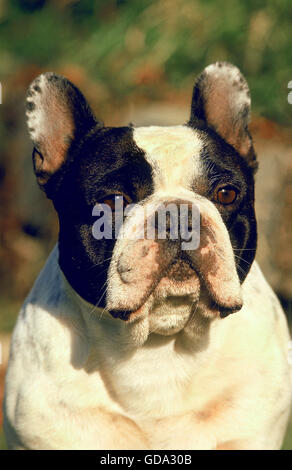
x=76, y=379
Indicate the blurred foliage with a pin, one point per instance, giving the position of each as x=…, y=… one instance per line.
x=287, y=444
x=9, y=310
x=153, y=45
x=2, y=441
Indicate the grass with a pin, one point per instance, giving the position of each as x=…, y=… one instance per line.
x=287, y=444
x=8, y=312
x=2, y=441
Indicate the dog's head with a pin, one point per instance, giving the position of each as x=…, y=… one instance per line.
x=203, y=169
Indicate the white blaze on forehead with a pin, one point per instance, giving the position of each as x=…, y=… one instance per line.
x=173, y=153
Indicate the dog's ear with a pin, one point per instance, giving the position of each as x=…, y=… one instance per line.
x=221, y=99
x=57, y=113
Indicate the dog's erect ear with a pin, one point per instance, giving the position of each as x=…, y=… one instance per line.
x=57, y=113
x=221, y=99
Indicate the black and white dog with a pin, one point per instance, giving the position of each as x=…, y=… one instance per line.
x=127, y=342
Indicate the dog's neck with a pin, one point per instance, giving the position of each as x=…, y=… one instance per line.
x=135, y=363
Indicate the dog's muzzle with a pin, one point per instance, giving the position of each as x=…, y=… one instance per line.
x=143, y=271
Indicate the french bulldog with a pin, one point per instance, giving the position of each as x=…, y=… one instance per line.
x=132, y=342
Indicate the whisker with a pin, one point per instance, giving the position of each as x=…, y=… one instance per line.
x=101, y=297
x=244, y=249
x=242, y=270
x=194, y=312
x=242, y=259
x=99, y=264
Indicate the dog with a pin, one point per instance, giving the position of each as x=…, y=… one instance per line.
x=129, y=342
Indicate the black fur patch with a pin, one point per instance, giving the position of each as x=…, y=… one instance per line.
x=106, y=162
x=224, y=166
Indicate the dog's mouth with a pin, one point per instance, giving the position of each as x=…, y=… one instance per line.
x=178, y=283
x=179, y=287
x=147, y=273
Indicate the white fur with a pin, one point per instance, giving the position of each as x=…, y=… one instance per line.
x=37, y=119
x=227, y=104
x=76, y=380
x=227, y=78
x=173, y=153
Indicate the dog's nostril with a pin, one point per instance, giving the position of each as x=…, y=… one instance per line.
x=125, y=272
x=145, y=251
x=123, y=269
x=174, y=218
x=161, y=220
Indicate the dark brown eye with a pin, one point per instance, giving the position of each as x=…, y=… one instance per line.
x=226, y=195
x=115, y=201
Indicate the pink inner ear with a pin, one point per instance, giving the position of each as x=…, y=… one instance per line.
x=224, y=111
x=50, y=122
x=56, y=132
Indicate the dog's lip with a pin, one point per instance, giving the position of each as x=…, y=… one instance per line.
x=222, y=310
x=121, y=314
x=226, y=311
x=125, y=314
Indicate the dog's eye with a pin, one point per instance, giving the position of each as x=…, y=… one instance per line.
x=226, y=195
x=115, y=201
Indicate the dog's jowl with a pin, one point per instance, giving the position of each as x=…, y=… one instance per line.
x=151, y=325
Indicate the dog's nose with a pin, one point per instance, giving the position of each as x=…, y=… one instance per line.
x=175, y=218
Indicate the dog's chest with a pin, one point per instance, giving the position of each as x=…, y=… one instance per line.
x=100, y=392
x=171, y=398
x=153, y=381
x=161, y=379
x=161, y=396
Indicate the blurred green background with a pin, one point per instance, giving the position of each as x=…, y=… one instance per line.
x=136, y=61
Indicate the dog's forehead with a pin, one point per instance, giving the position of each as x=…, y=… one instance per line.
x=174, y=153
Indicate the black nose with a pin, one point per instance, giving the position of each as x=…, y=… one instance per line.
x=174, y=219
